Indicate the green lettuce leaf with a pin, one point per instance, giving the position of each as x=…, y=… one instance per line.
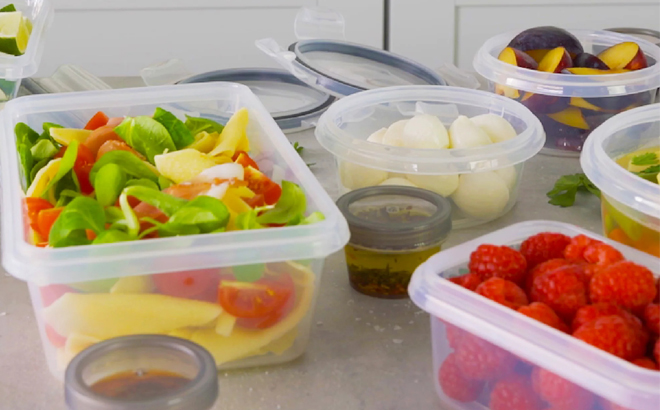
x=181, y=135
x=80, y=214
x=145, y=135
x=197, y=125
x=109, y=183
x=128, y=162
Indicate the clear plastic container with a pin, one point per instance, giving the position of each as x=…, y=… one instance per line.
x=630, y=204
x=509, y=341
x=92, y=293
x=345, y=127
x=595, y=98
x=15, y=68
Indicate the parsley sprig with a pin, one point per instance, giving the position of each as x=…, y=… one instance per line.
x=566, y=188
x=649, y=158
x=299, y=149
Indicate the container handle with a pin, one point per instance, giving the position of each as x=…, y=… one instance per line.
x=164, y=73
x=458, y=78
x=319, y=23
x=285, y=58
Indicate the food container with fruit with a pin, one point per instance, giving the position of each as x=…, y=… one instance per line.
x=179, y=210
x=466, y=145
x=543, y=315
x=622, y=158
x=23, y=27
x=572, y=80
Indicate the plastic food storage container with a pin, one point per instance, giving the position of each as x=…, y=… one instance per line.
x=630, y=204
x=144, y=372
x=507, y=341
x=15, y=68
x=593, y=98
x=84, y=294
x=482, y=182
x=393, y=230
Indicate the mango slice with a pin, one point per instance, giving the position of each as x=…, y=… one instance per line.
x=133, y=284
x=234, y=136
x=225, y=324
x=43, y=178
x=204, y=142
x=183, y=165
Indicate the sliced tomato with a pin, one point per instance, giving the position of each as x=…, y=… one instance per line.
x=255, y=201
x=51, y=293
x=269, y=320
x=34, y=206
x=193, y=284
x=55, y=338
x=114, y=145
x=98, y=120
x=242, y=158
x=188, y=190
x=83, y=165
x=46, y=219
x=259, y=183
x=258, y=299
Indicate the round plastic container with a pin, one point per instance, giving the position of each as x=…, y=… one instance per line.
x=496, y=169
x=506, y=342
x=592, y=98
x=630, y=204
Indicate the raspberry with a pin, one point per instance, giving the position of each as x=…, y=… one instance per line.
x=543, y=247
x=652, y=318
x=514, y=393
x=602, y=254
x=544, y=314
x=575, y=249
x=624, y=283
x=562, y=290
x=646, y=363
x=590, y=313
x=455, y=335
x=656, y=351
x=590, y=271
x=455, y=385
x=560, y=392
x=481, y=360
x=498, y=261
x=614, y=335
x=543, y=268
x=469, y=281
x=503, y=292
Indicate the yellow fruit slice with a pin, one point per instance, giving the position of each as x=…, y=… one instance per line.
x=234, y=136
x=106, y=315
x=183, y=333
x=133, y=284
x=14, y=33
x=183, y=165
x=225, y=324
x=76, y=343
x=222, y=159
x=204, y=142
x=43, y=178
x=65, y=135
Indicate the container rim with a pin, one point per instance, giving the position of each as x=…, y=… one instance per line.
x=425, y=161
x=486, y=64
x=583, y=364
x=610, y=177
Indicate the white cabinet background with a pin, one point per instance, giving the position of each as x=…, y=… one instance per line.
x=437, y=31
x=120, y=37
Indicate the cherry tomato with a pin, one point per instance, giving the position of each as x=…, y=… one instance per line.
x=34, y=206
x=193, y=284
x=82, y=167
x=51, y=293
x=55, y=338
x=258, y=299
x=46, y=219
x=269, y=320
x=98, y=120
x=114, y=145
x=259, y=183
x=242, y=158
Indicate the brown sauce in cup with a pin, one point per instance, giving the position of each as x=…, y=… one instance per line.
x=139, y=385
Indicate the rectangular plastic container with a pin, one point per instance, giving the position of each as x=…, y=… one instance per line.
x=595, y=98
x=630, y=204
x=503, y=336
x=14, y=68
x=91, y=293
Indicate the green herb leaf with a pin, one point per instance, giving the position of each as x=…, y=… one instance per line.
x=65, y=186
x=80, y=214
x=650, y=158
x=205, y=213
x=37, y=167
x=66, y=165
x=145, y=135
x=248, y=220
x=249, y=273
x=650, y=173
x=164, y=183
x=108, y=184
x=566, y=188
x=181, y=135
x=291, y=205
x=46, y=134
x=25, y=134
x=313, y=218
x=8, y=8
x=27, y=162
x=113, y=214
x=128, y=162
x=142, y=182
x=43, y=149
x=299, y=148
x=197, y=125
x=112, y=236
x=130, y=220
x=166, y=203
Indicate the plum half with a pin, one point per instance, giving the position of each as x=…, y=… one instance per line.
x=518, y=58
x=556, y=60
x=538, y=41
x=627, y=55
x=588, y=60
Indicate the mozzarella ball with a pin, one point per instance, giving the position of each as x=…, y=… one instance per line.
x=354, y=176
x=444, y=185
x=497, y=128
x=482, y=195
x=398, y=181
x=394, y=134
x=377, y=136
x=425, y=132
x=510, y=177
x=463, y=133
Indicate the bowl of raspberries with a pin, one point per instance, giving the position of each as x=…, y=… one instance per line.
x=543, y=316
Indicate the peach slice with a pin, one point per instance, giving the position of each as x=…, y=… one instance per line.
x=593, y=71
x=571, y=116
x=582, y=103
x=626, y=55
x=537, y=41
x=588, y=60
x=556, y=60
x=507, y=91
x=518, y=58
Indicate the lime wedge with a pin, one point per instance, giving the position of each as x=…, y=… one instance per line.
x=14, y=33
x=8, y=8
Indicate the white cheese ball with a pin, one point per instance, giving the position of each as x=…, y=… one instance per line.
x=497, y=128
x=483, y=195
x=377, y=136
x=463, y=133
x=398, y=181
x=510, y=177
x=394, y=134
x=425, y=132
x=444, y=185
x=354, y=176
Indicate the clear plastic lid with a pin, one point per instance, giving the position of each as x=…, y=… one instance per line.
x=487, y=65
x=623, y=134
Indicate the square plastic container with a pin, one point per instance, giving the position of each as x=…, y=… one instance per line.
x=15, y=68
x=507, y=341
x=84, y=294
x=345, y=127
x=595, y=98
x=630, y=204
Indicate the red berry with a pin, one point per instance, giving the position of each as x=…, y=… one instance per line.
x=469, y=281
x=591, y=270
x=624, y=283
x=575, y=249
x=656, y=351
x=514, y=393
x=543, y=268
x=498, y=261
x=602, y=254
x=481, y=360
x=503, y=292
x=614, y=335
x=544, y=314
x=646, y=363
x=543, y=247
x=652, y=318
x=50, y=293
x=562, y=290
x=55, y=338
x=590, y=313
x=560, y=392
x=455, y=385
x=455, y=335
